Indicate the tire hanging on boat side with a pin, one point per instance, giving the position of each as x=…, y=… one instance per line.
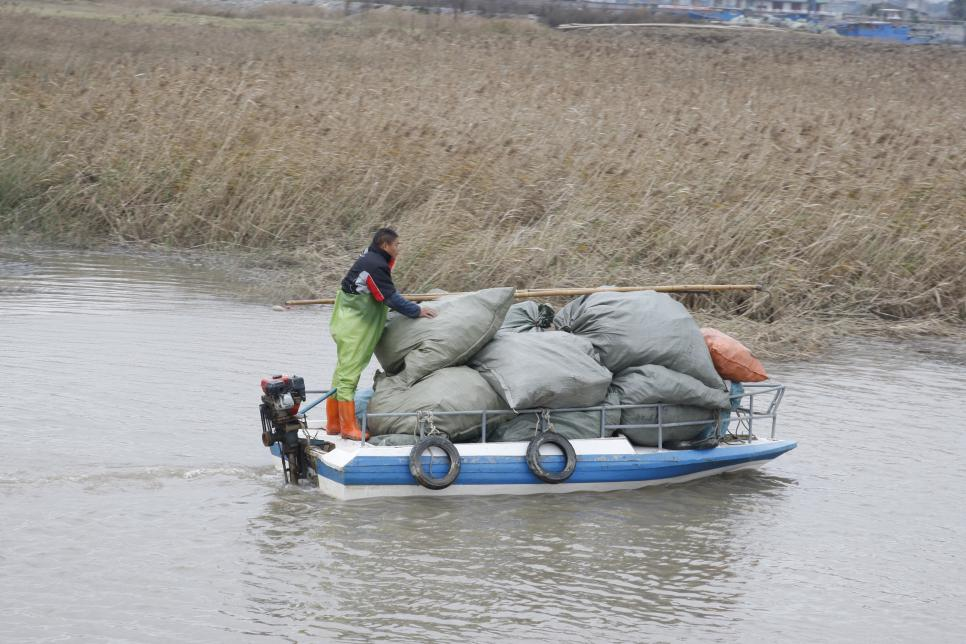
x=533, y=457
x=416, y=462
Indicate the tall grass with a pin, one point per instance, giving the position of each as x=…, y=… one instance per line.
x=831, y=170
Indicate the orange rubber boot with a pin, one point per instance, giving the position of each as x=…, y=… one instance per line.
x=333, y=425
x=347, y=415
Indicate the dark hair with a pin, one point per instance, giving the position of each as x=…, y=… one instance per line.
x=384, y=236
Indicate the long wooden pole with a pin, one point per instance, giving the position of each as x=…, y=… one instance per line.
x=572, y=292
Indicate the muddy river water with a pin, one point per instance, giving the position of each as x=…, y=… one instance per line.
x=137, y=503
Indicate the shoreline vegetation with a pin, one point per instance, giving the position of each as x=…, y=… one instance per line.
x=506, y=153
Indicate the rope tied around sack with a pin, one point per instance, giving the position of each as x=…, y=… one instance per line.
x=544, y=415
x=424, y=418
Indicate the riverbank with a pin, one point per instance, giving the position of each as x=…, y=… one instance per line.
x=268, y=278
x=505, y=152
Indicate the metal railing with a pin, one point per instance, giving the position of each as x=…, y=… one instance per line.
x=768, y=396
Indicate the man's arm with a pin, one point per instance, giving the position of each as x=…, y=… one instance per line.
x=381, y=286
x=398, y=303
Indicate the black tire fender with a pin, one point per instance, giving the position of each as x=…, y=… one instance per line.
x=416, y=462
x=533, y=457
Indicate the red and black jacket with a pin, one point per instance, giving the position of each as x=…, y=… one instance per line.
x=372, y=274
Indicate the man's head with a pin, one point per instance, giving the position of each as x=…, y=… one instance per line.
x=388, y=240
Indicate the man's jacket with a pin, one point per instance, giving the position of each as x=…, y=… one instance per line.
x=372, y=274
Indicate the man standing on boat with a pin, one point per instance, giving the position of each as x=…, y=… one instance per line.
x=358, y=319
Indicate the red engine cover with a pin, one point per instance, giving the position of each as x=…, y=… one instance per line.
x=279, y=378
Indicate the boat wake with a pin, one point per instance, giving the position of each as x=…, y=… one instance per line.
x=145, y=475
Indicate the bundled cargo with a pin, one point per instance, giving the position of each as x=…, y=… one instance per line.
x=527, y=316
x=552, y=369
x=647, y=339
x=569, y=424
x=685, y=399
x=449, y=389
x=641, y=328
x=411, y=349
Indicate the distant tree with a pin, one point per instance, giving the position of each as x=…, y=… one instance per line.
x=957, y=9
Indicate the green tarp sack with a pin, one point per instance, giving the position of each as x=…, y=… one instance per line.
x=644, y=328
x=394, y=440
x=686, y=399
x=356, y=325
x=570, y=424
x=450, y=389
x=550, y=369
x=411, y=349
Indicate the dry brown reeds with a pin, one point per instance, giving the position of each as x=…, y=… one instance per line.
x=831, y=170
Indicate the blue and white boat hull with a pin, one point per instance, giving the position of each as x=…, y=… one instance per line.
x=351, y=471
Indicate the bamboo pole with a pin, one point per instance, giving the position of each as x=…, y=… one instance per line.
x=571, y=292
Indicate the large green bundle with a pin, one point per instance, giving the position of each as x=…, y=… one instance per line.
x=450, y=389
x=642, y=328
x=551, y=369
x=411, y=348
x=685, y=399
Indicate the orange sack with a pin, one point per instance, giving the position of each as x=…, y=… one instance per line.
x=731, y=359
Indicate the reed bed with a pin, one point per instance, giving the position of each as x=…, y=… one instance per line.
x=506, y=153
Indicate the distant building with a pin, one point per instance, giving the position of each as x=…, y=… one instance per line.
x=789, y=6
x=894, y=12
x=843, y=7
x=803, y=6
x=785, y=6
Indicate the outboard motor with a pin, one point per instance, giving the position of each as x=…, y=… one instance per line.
x=281, y=398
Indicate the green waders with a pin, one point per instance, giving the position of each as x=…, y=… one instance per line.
x=356, y=326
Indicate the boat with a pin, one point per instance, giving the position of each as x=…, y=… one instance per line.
x=548, y=463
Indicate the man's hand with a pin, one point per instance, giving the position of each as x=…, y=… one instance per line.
x=426, y=312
